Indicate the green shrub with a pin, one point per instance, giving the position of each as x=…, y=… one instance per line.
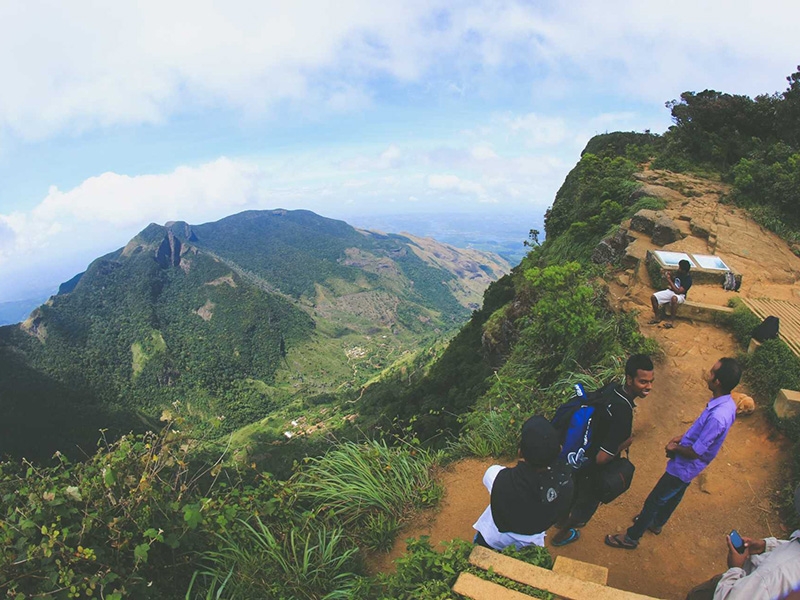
x=647, y=202
x=423, y=573
x=491, y=433
x=112, y=526
x=303, y=564
x=354, y=483
x=742, y=321
x=772, y=367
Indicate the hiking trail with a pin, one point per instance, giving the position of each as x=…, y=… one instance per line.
x=739, y=489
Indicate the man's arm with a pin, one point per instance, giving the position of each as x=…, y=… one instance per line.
x=603, y=457
x=736, y=583
x=672, y=286
x=684, y=451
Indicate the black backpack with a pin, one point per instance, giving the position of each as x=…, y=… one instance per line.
x=574, y=421
x=767, y=330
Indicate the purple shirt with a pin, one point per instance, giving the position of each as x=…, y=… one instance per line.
x=705, y=437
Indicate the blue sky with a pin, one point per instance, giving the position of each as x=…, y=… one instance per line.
x=115, y=115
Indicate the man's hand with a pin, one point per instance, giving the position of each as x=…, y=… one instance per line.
x=755, y=546
x=734, y=558
x=670, y=447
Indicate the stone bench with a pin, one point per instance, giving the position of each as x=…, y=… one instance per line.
x=564, y=582
x=787, y=404
x=697, y=311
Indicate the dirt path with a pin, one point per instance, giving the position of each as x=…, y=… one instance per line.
x=737, y=491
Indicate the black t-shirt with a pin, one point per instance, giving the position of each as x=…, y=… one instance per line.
x=684, y=281
x=526, y=501
x=613, y=422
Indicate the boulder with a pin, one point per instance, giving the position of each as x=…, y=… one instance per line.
x=666, y=231
x=611, y=249
x=700, y=230
x=645, y=220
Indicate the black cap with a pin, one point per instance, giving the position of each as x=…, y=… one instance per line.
x=539, y=442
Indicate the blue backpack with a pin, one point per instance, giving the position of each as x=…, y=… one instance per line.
x=575, y=420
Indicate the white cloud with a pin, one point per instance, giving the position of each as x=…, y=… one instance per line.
x=70, y=66
x=390, y=158
x=456, y=184
x=538, y=130
x=122, y=200
x=483, y=152
x=7, y=236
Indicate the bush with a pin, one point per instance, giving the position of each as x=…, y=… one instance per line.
x=742, y=321
x=369, y=488
x=772, y=367
x=112, y=526
x=423, y=573
x=303, y=564
x=647, y=202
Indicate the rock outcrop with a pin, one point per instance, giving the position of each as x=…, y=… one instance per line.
x=168, y=253
x=612, y=249
x=665, y=231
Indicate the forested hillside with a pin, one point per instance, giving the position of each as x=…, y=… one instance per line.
x=236, y=319
x=163, y=516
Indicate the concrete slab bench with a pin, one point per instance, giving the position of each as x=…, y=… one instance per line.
x=561, y=584
x=697, y=311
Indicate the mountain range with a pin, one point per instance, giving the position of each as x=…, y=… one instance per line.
x=235, y=319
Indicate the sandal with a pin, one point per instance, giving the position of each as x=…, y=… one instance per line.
x=654, y=529
x=574, y=536
x=654, y=321
x=668, y=325
x=621, y=540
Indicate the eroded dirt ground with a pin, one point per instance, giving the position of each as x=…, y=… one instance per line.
x=738, y=490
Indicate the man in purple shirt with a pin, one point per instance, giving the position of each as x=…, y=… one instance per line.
x=689, y=454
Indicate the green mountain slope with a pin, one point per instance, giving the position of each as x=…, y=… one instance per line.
x=236, y=319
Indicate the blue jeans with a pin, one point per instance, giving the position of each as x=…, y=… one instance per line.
x=660, y=504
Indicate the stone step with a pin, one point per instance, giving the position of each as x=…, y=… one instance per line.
x=787, y=404
x=564, y=586
x=581, y=570
x=708, y=313
x=476, y=588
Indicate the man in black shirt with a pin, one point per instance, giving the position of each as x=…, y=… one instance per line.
x=613, y=425
x=677, y=288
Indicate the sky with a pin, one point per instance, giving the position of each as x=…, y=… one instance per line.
x=116, y=115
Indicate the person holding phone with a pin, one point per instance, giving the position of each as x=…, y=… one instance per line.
x=688, y=455
x=677, y=288
x=765, y=569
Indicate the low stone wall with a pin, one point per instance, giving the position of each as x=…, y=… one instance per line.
x=699, y=275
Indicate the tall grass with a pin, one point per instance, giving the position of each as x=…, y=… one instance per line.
x=369, y=488
x=307, y=565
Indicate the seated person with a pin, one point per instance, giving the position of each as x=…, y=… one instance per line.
x=767, y=569
x=529, y=498
x=677, y=288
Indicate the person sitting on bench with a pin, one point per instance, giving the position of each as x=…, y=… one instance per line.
x=677, y=288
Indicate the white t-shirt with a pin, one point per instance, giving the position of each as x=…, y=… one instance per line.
x=485, y=523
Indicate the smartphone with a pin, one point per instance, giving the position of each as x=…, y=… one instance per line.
x=737, y=541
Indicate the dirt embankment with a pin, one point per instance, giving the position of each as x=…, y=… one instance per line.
x=739, y=489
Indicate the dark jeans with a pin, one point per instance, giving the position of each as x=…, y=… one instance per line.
x=584, y=501
x=479, y=541
x=704, y=591
x=660, y=504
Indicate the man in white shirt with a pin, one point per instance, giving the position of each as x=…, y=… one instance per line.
x=767, y=569
x=527, y=499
